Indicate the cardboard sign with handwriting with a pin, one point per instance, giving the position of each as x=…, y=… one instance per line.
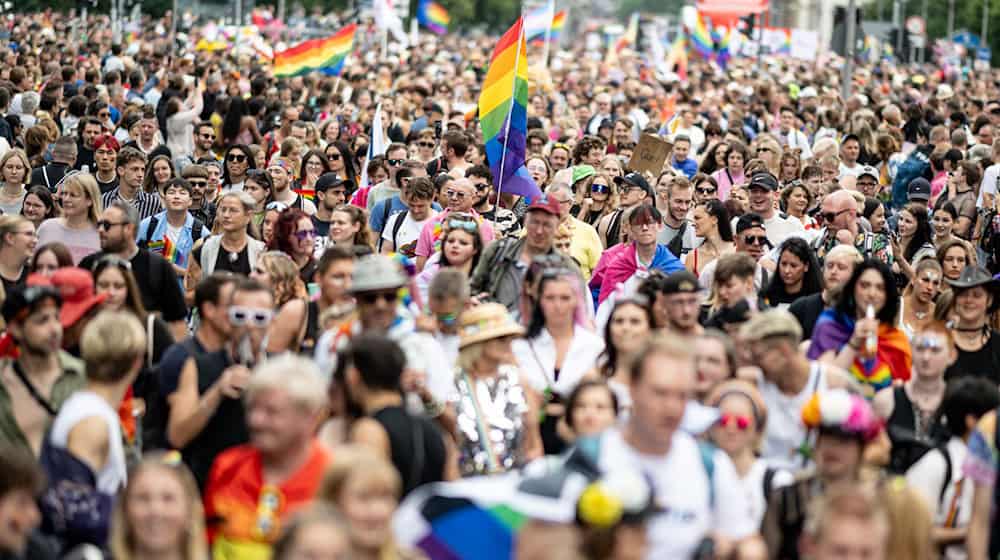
x=650, y=154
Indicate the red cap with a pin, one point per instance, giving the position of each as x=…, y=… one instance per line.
x=106, y=141
x=77, y=288
x=545, y=203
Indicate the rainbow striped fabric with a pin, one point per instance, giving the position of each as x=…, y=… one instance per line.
x=316, y=55
x=537, y=35
x=433, y=16
x=503, y=113
x=701, y=39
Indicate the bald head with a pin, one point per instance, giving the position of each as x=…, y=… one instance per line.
x=841, y=206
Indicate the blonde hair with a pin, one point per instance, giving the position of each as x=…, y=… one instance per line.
x=297, y=376
x=111, y=344
x=17, y=153
x=121, y=539
x=910, y=521
x=354, y=462
x=9, y=223
x=468, y=356
x=88, y=187
x=285, y=281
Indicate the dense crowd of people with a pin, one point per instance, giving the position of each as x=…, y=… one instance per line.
x=228, y=333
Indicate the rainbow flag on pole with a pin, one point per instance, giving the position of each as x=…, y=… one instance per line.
x=503, y=113
x=316, y=55
x=433, y=16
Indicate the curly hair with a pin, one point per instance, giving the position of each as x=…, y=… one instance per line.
x=584, y=146
x=285, y=282
x=358, y=216
x=284, y=230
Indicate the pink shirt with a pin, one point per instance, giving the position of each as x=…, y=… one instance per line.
x=429, y=241
x=722, y=178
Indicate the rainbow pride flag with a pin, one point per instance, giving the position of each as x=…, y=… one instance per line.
x=433, y=16
x=701, y=39
x=723, y=55
x=677, y=58
x=316, y=55
x=503, y=113
x=558, y=22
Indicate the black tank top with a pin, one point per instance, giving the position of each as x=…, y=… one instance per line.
x=308, y=344
x=416, y=444
x=226, y=428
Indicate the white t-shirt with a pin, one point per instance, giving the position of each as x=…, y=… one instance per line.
x=927, y=477
x=753, y=488
x=536, y=359
x=79, y=407
x=989, y=184
x=681, y=485
x=408, y=234
x=785, y=432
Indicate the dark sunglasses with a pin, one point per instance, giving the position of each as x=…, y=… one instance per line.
x=831, y=216
x=755, y=240
x=426, y=144
x=207, y=136
x=198, y=183
x=238, y=158
x=106, y=225
x=599, y=188
x=332, y=157
x=371, y=298
x=395, y=162
x=304, y=234
x=709, y=190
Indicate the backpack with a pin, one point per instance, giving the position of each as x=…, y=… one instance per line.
x=400, y=217
x=907, y=449
x=72, y=507
x=196, y=230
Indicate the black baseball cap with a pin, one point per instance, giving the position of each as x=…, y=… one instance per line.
x=635, y=180
x=919, y=189
x=680, y=282
x=764, y=180
x=328, y=181
x=22, y=300
x=747, y=221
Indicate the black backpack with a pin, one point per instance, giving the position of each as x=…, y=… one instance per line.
x=196, y=230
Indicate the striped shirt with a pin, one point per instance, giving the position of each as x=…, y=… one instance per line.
x=148, y=204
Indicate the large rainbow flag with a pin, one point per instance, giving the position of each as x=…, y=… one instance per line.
x=433, y=16
x=503, y=113
x=701, y=38
x=316, y=55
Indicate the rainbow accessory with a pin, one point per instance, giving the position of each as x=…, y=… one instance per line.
x=307, y=193
x=319, y=55
x=433, y=16
x=558, y=22
x=677, y=58
x=503, y=113
x=722, y=54
x=841, y=410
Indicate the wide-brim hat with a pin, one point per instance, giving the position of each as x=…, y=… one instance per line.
x=486, y=322
x=973, y=276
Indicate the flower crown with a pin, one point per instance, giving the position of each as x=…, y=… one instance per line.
x=843, y=411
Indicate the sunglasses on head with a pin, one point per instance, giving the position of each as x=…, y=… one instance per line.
x=111, y=260
x=238, y=158
x=371, y=298
x=599, y=188
x=927, y=343
x=742, y=423
x=468, y=225
x=248, y=316
x=276, y=206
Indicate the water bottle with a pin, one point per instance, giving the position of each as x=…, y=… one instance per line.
x=871, y=341
x=85, y=169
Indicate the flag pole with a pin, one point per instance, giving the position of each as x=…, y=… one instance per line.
x=513, y=93
x=548, y=33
